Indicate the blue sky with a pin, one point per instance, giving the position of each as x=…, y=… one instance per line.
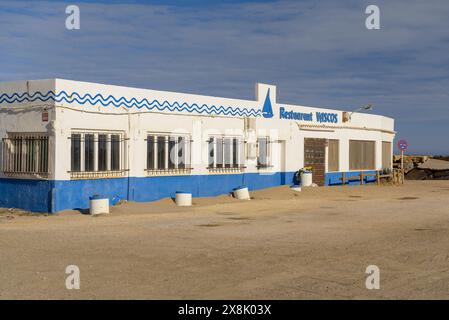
x=318, y=53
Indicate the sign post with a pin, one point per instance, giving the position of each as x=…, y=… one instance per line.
x=402, y=145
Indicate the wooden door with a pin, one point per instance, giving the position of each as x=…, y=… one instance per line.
x=315, y=157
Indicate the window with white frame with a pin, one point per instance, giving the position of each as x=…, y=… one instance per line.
x=225, y=152
x=264, y=152
x=168, y=153
x=25, y=154
x=96, y=154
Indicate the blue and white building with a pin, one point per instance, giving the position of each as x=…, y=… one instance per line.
x=63, y=141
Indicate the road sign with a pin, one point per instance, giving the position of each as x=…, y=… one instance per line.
x=402, y=145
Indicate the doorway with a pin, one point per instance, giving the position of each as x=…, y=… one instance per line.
x=315, y=157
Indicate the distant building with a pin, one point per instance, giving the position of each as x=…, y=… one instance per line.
x=63, y=141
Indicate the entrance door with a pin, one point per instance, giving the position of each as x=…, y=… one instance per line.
x=314, y=156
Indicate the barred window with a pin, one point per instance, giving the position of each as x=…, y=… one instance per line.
x=96, y=155
x=168, y=153
x=333, y=152
x=225, y=152
x=361, y=155
x=263, y=157
x=25, y=154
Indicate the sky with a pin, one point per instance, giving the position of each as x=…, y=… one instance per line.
x=317, y=53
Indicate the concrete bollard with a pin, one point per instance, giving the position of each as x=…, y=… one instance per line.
x=98, y=205
x=183, y=199
x=241, y=193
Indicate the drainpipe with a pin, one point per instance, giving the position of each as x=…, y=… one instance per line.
x=128, y=158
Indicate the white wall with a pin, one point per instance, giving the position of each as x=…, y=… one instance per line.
x=136, y=121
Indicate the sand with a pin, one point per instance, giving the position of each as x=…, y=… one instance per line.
x=281, y=245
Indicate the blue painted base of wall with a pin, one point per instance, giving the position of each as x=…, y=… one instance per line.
x=334, y=178
x=32, y=195
x=54, y=196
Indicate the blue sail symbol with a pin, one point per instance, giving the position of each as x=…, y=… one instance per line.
x=267, y=110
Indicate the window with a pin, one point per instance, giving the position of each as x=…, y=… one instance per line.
x=173, y=152
x=102, y=152
x=89, y=152
x=96, y=155
x=228, y=154
x=361, y=155
x=225, y=152
x=161, y=151
x=333, y=155
x=115, y=152
x=151, y=161
x=182, y=152
x=167, y=153
x=263, y=158
x=219, y=151
x=76, y=153
x=235, y=155
x=25, y=154
x=386, y=155
x=211, y=146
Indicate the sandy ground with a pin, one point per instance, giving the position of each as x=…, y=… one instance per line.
x=280, y=245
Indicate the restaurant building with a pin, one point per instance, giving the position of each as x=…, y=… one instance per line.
x=63, y=141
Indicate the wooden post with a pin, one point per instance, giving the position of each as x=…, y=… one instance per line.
x=378, y=178
x=361, y=177
x=343, y=178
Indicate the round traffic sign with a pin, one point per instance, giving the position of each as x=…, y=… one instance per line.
x=402, y=145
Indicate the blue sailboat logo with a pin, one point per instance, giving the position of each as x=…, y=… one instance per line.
x=267, y=110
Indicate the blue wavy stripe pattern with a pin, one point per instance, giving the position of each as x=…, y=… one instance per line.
x=131, y=103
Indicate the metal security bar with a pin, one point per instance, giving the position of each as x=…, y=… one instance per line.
x=225, y=154
x=168, y=154
x=97, y=155
x=25, y=155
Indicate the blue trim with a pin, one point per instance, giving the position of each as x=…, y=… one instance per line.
x=334, y=178
x=133, y=102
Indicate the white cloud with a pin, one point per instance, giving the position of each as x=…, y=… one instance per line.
x=318, y=53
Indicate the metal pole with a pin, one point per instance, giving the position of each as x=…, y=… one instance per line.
x=402, y=165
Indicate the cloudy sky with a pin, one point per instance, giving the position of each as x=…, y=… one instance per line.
x=318, y=53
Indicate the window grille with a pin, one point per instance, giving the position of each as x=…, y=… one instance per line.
x=97, y=155
x=168, y=154
x=25, y=154
x=225, y=154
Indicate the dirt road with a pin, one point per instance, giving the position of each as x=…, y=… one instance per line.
x=280, y=245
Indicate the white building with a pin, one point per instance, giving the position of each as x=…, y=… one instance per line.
x=64, y=141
